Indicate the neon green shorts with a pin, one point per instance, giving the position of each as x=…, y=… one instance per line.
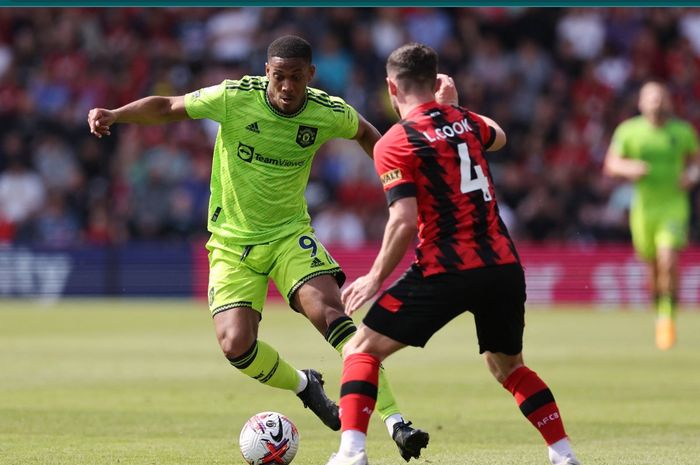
x=651, y=232
x=239, y=275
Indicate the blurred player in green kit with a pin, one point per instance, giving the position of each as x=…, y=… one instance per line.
x=659, y=154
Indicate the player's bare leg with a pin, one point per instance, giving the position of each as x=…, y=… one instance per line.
x=535, y=401
x=667, y=279
x=319, y=300
x=653, y=281
x=237, y=331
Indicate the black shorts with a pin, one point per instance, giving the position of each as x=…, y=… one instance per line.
x=416, y=307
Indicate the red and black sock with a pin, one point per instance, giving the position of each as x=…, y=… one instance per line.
x=358, y=391
x=537, y=403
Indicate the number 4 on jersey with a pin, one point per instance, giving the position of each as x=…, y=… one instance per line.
x=469, y=184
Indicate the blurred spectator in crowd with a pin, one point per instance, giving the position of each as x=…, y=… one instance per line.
x=55, y=161
x=22, y=191
x=335, y=225
x=230, y=33
x=57, y=226
x=388, y=31
x=689, y=25
x=333, y=64
x=430, y=26
x=583, y=29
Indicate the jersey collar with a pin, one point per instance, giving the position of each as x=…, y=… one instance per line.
x=421, y=108
x=285, y=115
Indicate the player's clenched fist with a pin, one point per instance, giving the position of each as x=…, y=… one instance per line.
x=99, y=120
x=446, y=93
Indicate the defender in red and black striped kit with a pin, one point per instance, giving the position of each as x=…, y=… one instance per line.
x=433, y=167
x=436, y=154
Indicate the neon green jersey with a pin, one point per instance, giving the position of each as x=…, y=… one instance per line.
x=262, y=158
x=665, y=149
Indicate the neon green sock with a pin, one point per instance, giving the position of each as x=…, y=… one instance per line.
x=666, y=307
x=386, y=402
x=264, y=363
x=338, y=334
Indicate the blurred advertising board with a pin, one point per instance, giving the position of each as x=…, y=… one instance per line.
x=147, y=269
x=600, y=275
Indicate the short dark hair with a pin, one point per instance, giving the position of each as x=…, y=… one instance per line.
x=414, y=64
x=289, y=47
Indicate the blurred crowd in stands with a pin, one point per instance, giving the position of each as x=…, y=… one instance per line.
x=558, y=80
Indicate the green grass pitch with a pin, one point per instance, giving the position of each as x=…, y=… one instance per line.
x=92, y=382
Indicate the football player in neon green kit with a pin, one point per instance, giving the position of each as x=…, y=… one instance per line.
x=270, y=128
x=659, y=154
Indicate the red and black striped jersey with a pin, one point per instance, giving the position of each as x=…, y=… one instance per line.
x=436, y=154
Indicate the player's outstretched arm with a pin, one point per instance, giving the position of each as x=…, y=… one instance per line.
x=148, y=110
x=400, y=230
x=618, y=166
x=367, y=135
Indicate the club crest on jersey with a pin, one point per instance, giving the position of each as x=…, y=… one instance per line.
x=306, y=136
x=391, y=176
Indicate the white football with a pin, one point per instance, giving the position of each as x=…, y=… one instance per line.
x=269, y=438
